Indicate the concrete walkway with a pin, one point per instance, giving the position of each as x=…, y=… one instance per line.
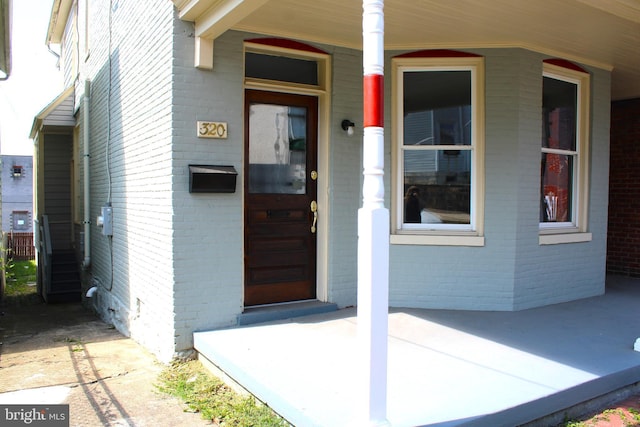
x=446, y=368
x=63, y=354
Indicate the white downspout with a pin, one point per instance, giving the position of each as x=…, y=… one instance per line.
x=87, y=203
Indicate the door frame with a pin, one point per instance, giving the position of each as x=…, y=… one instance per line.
x=322, y=91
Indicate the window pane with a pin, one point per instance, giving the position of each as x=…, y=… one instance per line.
x=437, y=186
x=437, y=108
x=559, y=100
x=557, y=177
x=20, y=220
x=277, y=149
x=281, y=68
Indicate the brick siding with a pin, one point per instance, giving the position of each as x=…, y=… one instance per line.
x=623, y=240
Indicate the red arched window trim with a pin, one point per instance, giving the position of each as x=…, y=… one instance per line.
x=286, y=43
x=565, y=64
x=438, y=53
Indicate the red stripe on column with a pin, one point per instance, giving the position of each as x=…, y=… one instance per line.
x=373, y=100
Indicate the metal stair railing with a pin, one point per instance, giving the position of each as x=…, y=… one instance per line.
x=44, y=247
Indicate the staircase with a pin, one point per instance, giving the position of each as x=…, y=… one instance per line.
x=65, y=282
x=59, y=276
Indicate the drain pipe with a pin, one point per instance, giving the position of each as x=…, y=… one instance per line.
x=87, y=205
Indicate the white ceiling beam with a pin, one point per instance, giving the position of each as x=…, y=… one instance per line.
x=212, y=18
x=189, y=10
x=204, y=53
x=223, y=15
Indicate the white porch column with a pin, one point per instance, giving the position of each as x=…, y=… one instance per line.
x=373, y=230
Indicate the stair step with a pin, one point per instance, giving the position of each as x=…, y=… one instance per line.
x=269, y=313
x=65, y=296
x=65, y=275
x=65, y=278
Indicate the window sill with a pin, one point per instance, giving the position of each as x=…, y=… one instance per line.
x=437, y=239
x=558, y=238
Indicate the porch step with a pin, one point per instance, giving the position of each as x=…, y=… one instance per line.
x=269, y=313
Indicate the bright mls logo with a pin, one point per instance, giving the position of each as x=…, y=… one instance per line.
x=34, y=415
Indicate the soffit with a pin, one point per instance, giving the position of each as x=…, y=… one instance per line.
x=58, y=20
x=601, y=33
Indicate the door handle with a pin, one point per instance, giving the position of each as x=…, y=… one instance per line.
x=314, y=210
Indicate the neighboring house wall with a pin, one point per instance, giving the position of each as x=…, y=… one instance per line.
x=57, y=191
x=17, y=193
x=623, y=254
x=52, y=132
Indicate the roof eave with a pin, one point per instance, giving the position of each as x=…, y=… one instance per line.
x=39, y=118
x=59, y=14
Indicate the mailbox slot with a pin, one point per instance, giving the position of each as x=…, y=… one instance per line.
x=212, y=179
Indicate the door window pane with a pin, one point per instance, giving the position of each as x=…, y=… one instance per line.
x=277, y=149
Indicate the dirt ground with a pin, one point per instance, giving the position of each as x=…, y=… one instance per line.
x=62, y=353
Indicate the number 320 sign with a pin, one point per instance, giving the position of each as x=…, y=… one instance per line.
x=212, y=130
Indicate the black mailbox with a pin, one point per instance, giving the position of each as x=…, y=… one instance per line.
x=212, y=179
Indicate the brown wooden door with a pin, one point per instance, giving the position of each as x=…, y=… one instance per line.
x=280, y=188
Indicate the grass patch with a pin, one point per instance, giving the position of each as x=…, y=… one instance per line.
x=20, y=279
x=208, y=395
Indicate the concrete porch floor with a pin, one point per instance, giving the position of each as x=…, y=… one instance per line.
x=446, y=368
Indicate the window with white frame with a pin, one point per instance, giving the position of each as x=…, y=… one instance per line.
x=438, y=148
x=564, y=148
x=20, y=221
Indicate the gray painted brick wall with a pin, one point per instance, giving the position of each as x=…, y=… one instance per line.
x=131, y=160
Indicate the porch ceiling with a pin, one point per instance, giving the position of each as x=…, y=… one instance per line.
x=601, y=33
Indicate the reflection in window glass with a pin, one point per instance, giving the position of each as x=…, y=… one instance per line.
x=559, y=155
x=437, y=143
x=277, y=149
x=281, y=68
x=559, y=109
x=557, y=170
x=437, y=186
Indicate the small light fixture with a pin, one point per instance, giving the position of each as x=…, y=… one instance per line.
x=348, y=125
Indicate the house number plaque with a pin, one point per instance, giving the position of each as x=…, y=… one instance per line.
x=216, y=130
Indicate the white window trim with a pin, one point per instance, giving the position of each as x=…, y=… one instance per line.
x=437, y=234
x=573, y=231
